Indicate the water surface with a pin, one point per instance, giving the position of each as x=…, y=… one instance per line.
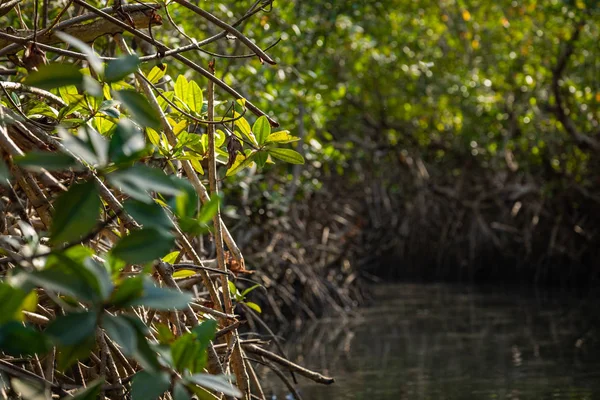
x=445, y=342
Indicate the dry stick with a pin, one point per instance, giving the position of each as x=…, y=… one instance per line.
x=11, y=148
x=105, y=193
x=162, y=268
x=237, y=360
x=270, y=331
x=33, y=90
x=103, y=356
x=26, y=181
x=315, y=376
x=192, y=176
x=12, y=370
x=163, y=48
x=5, y=8
x=119, y=356
x=211, y=311
x=254, y=380
x=74, y=27
x=281, y=376
x=230, y=29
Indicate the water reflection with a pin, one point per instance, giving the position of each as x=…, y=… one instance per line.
x=441, y=342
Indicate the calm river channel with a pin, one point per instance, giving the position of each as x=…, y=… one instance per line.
x=448, y=342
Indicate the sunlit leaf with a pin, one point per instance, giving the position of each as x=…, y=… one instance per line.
x=281, y=137
x=184, y=273
x=261, y=129
x=287, y=155
x=194, y=98
x=156, y=73
x=240, y=163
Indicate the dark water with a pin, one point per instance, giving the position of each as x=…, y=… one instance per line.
x=443, y=342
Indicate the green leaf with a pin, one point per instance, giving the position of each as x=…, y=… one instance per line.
x=187, y=354
x=12, y=302
x=218, y=383
x=121, y=331
x=149, y=215
x=287, y=155
x=76, y=212
x=234, y=290
x=98, y=142
x=94, y=61
x=4, y=173
x=140, y=109
x=189, y=350
x=78, y=147
x=139, y=180
x=143, y=246
x=253, y=306
x=261, y=129
x=127, y=142
x=72, y=329
x=180, y=392
x=102, y=283
x=121, y=67
x=68, y=355
x=30, y=389
x=192, y=226
x=91, y=392
x=52, y=76
x=261, y=158
x=158, y=298
x=36, y=160
x=185, y=203
x=17, y=339
x=149, y=386
x=128, y=290
x=68, y=277
x=205, y=332
x=281, y=137
x=246, y=291
x=210, y=208
x=145, y=355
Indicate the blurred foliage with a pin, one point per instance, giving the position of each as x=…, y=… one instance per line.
x=444, y=79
